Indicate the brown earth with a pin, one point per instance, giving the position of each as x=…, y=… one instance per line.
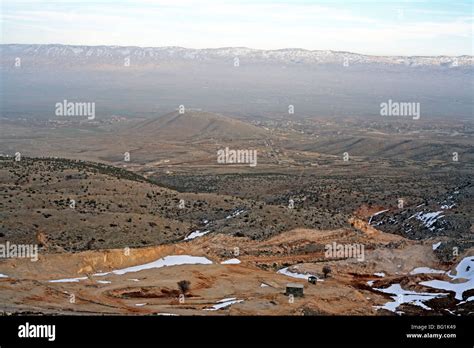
x=344, y=292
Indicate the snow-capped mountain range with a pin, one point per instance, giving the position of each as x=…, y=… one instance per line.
x=235, y=55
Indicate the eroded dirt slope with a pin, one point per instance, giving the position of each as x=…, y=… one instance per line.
x=251, y=287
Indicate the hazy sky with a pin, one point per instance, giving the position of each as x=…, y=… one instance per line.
x=372, y=27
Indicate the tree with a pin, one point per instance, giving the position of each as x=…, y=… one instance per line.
x=326, y=271
x=184, y=286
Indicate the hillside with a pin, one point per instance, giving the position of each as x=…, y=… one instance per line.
x=115, y=208
x=195, y=125
x=239, y=276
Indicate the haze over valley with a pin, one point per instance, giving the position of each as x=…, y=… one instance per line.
x=141, y=180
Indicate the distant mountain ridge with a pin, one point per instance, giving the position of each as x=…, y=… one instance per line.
x=151, y=55
x=233, y=81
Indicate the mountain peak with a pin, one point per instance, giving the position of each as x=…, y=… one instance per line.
x=197, y=124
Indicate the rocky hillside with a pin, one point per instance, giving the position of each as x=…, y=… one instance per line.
x=75, y=205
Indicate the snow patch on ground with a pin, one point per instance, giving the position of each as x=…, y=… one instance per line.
x=68, y=280
x=166, y=314
x=3, y=275
x=464, y=271
x=426, y=270
x=469, y=299
x=223, y=304
x=377, y=213
x=457, y=288
x=379, y=274
x=235, y=213
x=436, y=245
x=172, y=260
x=230, y=262
x=288, y=273
x=428, y=219
x=402, y=296
x=196, y=234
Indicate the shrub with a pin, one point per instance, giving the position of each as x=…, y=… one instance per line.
x=184, y=286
